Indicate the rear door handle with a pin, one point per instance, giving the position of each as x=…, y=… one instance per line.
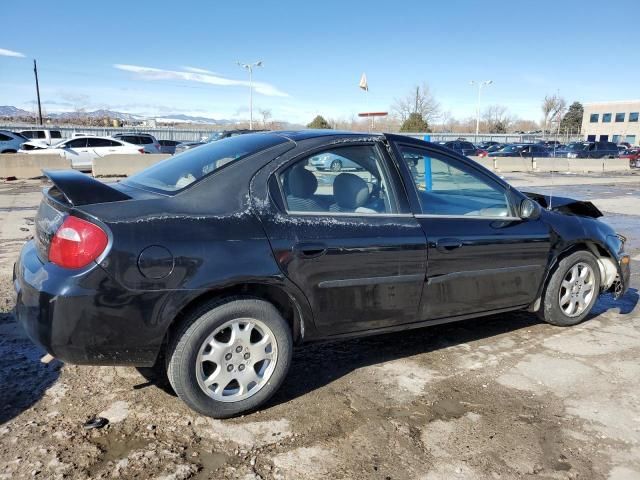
x=447, y=245
x=309, y=250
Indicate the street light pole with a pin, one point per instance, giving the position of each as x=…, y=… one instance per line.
x=250, y=67
x=480, y=85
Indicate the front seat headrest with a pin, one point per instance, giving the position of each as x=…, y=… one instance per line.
x=350, y=191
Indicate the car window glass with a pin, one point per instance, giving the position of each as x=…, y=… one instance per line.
x=340, y=180
x=56, y=134
x=27, y=134
x=190, y=166
x=4, y=138
x=129, y=139
x=143, y=140
x=115, y=143
x=76, y=143
x=448, y=187
x=99, y=142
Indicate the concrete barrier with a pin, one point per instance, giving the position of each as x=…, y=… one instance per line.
x=585, y=165
x=486, y=162
x=551, y=164
x=27, y=165
x=615, y=164
x=514, y=164
x=124, y=165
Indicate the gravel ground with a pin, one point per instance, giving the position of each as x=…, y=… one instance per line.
x=499, y=397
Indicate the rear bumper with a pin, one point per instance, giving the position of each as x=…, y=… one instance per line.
x=83, y=317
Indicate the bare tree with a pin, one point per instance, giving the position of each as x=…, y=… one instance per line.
x=266, y=117
x=496, y=119
x=552, y=108
x=420, y=100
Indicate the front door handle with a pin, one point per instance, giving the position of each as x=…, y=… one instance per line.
x=448, y=245
x=309, y=250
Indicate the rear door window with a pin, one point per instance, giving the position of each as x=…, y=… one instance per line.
x=56, y=134
x=99, y=142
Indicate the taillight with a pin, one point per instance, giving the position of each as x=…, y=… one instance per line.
x=141, y=150
x=77, y=243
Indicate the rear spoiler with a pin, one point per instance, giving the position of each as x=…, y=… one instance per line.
x=81, y=189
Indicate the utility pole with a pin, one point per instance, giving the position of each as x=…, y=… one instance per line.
x=35, y=71
x=250, y=67
x=480, y=85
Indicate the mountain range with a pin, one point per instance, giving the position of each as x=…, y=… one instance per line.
x=8, y=111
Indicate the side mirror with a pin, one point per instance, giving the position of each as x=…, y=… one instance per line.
x=529, y=209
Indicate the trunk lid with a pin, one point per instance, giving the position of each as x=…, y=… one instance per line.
x=70, y=191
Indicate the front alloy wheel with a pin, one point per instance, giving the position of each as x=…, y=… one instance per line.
x=576, y=289
x=572, y=290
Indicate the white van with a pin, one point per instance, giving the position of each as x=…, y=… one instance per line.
x=44, y=136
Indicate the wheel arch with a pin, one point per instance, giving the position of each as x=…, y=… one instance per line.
x=285, y=302
x=598, y=250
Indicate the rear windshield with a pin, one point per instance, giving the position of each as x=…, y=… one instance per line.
x=186, y=168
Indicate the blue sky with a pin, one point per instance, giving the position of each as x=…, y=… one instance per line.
x=157, y=57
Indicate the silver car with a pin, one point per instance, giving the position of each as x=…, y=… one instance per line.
x=145, y=140
x=333, y=162
x=10, y=142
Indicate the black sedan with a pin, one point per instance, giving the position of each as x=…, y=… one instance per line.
x=521, y=150
x=219, y=260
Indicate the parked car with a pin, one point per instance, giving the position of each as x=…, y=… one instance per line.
x=521, y=150
x=495, y=148
x=487, y=144
x=214, y=137
x=184, y=146
x=333, y=162
x=81, y=151
x=168, y=146
x=148, y=142
x=220, y=259
x=462, y=147
x=550, y=144
x=588, y=150
x=633, y=155
x=43, y=136
x=10, y=142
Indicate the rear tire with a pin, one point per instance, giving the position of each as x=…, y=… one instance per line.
x=236, y=369
x=572, y=290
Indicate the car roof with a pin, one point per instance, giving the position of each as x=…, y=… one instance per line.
x=297, y=135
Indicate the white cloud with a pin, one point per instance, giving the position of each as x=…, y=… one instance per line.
x=199, y=70
x=191, y=74
x=10, y=53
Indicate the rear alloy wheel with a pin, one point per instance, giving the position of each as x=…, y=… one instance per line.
x=572, y=290
x=230, y=357
x=336, y=166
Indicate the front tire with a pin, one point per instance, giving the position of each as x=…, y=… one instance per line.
x=572, y=290
x=336, y=166
x=231, y=357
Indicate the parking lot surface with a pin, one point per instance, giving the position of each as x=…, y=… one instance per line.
x=498, y=397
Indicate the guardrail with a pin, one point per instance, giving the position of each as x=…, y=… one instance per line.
x=197, y=134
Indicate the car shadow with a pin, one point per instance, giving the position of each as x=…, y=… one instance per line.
x=316, y=365
x=24, y=379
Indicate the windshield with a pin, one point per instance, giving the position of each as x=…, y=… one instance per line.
x=576, y=146
x=215, y=136
x=511, y=148
x=186, y=168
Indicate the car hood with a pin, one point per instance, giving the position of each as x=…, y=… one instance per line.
x=566, y=205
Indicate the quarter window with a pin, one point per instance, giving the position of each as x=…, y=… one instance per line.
x=606, y=118
x=594, y=118
x=340, y=180
x=448, y=187
x=56, y=134
x=5, y=138
x=619, y=117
